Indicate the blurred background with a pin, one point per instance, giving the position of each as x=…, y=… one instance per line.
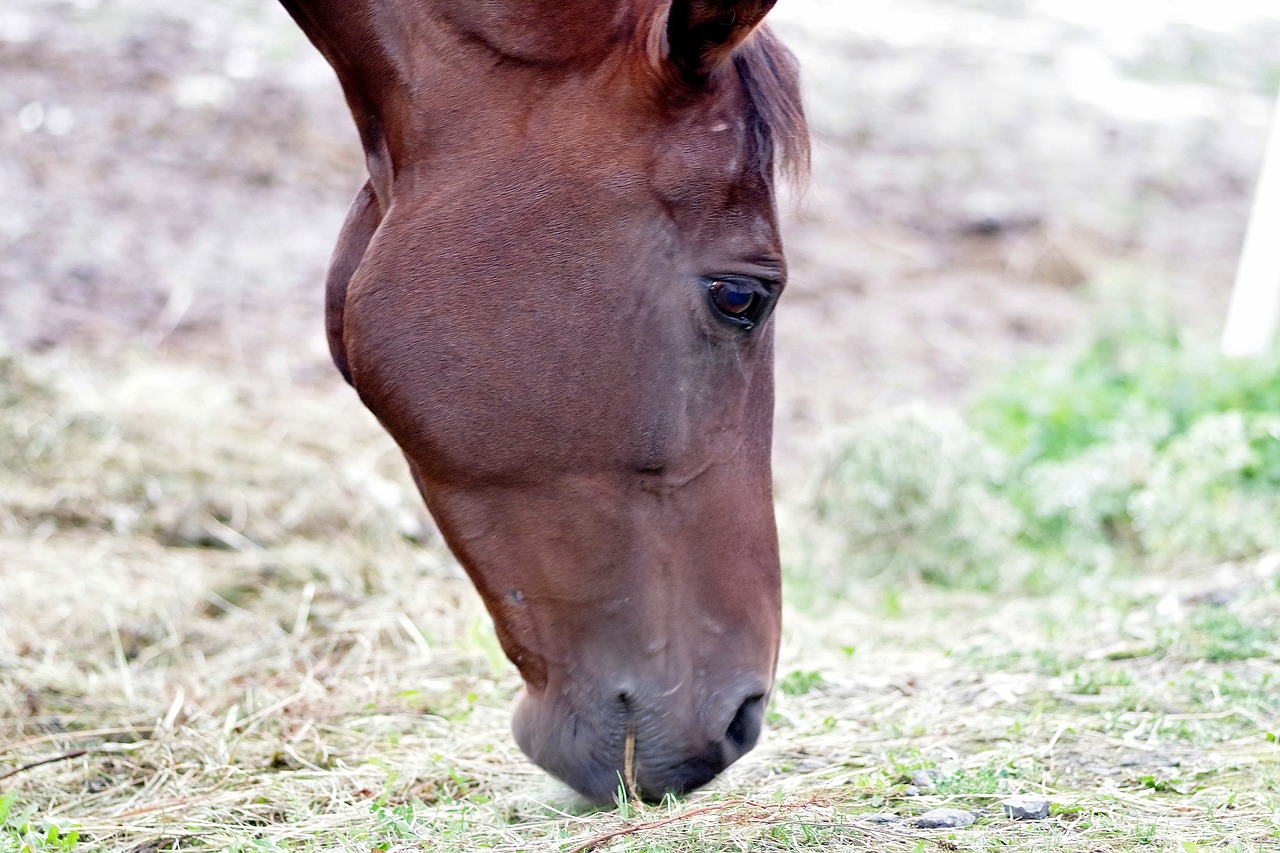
x=992, y=180
x=989, y=176
x=173, y=179
x=1005, y=439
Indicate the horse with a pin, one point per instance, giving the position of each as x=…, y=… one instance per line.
x=553, y=290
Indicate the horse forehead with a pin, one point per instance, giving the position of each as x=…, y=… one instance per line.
x=613, y=135
x=707, y=161
x=552, y=33
x=709, y=144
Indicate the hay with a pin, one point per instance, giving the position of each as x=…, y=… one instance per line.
x=315, y=679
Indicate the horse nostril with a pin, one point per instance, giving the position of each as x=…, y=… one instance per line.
x=744, y=728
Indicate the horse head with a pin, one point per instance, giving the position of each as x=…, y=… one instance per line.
x=554, y=293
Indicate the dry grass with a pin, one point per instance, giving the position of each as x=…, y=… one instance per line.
x=224, y=625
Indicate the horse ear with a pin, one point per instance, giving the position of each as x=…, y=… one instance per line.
x=702, y=34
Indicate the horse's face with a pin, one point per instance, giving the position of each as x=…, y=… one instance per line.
x=561, y=318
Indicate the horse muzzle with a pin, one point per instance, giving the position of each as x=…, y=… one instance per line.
x=640, y=742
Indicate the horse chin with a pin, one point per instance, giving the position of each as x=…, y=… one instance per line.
x=576, y=749
x=587, y=748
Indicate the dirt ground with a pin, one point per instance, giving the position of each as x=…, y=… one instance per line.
x=174, y=175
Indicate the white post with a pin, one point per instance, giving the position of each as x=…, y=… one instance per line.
x=1254, y=312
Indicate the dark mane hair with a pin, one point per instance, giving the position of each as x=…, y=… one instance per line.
x=771, y=77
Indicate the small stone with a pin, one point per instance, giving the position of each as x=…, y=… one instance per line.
x=1026, y=808
x=911, y=791
x=925, y=780
x=944, y=819
x=879, y=817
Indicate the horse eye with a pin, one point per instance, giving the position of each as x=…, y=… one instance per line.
x=739, y=301
x=732, y=298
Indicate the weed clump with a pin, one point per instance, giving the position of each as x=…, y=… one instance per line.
x=1213, y=491
x=1139, y=449
x=916, y=492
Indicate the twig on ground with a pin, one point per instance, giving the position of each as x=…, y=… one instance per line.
x=144, y=733
x=66, y=756
x=603, y=838
x=592, y=843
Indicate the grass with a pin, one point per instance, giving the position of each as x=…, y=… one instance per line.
x=1140, y=451
x=226, y=626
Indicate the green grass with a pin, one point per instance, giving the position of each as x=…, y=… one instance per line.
x=21, y=831
x=799, y=682
x=1140, y=447
x=1139, y=450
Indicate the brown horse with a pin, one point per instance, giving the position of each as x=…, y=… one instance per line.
x=553, y=292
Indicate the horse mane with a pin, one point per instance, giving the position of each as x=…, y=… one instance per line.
x=771, y=79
